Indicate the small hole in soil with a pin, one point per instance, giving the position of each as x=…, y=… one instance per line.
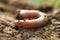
x=16, y=28
x=46, y=9
x=18, y=17
x=1, y=9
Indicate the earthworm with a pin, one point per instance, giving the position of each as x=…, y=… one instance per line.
x=31, y=19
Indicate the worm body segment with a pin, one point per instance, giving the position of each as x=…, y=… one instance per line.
x=31, y=19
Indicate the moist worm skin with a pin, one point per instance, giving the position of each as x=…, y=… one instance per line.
x=31, y=19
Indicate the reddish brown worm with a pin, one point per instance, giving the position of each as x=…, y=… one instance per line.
x=31, y=19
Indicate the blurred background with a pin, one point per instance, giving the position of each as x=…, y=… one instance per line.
x=42, y=5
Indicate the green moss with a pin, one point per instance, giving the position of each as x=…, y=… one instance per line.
x=36, y=2
x=54, y=3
